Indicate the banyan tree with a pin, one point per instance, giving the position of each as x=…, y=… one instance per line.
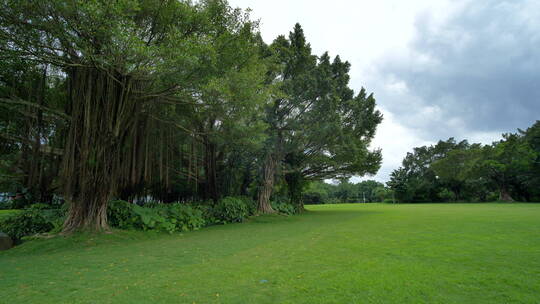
x=134, y=69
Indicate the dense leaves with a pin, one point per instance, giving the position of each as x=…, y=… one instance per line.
x=345, y=192
x=506, y=170
x=169, y=101
x=31, y=221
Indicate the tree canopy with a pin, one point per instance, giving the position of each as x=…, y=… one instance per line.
x=169, y=101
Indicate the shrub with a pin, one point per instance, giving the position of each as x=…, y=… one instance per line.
x=284, y=208
x=39, y=206
x=230, y=210
x=185, y=217
x=31, y=221
x=207, y=213
x=162, y=217
x=250, y=204
x=120, y=214
x=151, y=219
x=446, y=195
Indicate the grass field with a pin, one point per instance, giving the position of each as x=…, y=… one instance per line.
x=435, y=253
x=4, y=213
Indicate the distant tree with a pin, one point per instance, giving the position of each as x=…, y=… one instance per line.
x=452, y=171
x=416, y=181
x=506, y=163
x=532, y=177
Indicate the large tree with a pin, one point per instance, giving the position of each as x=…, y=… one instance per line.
x=130, y=65
x=318, y=128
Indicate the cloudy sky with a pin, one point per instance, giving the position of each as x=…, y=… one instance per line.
x=438, y=69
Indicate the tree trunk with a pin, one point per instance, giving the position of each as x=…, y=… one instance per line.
x=295, y=184
x=265, y=190
x=504, y=195
x=103, y=114
x=211, y=171
x=246, y=181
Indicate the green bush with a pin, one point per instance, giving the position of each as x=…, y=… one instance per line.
x=446, y=195
x=39, y=206
x=250, y=203
x=184, y=217
x=31, y=221
x=230, y=210
x=120, y=214
x=151, y=219
x=207, y=212
x=284, y=208
x=162, y=217
x=388, y=201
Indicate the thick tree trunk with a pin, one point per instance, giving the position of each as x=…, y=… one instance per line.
x=267, y=186
x=504, y=195
x=103, y=115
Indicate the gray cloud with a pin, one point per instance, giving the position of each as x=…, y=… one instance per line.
x=478, y=71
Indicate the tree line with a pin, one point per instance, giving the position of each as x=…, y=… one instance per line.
x=368, y=191
x=169, y=100
x=506, y=170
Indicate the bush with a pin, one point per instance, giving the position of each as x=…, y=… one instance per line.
x=207, y=213
x=31, y=221
x=284, y=208
x=39, y=206
x=120, y=214
x=231, y=210
x=184, y=217
x=162, y=217
x=388, y=201
x=250, y=203
x=446, y=195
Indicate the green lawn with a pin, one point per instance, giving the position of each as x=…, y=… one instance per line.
x=436, y=253
x=4, y=213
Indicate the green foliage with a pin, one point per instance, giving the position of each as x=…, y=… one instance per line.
x=284, y=208
x=120, y=214
x=231, y=210
x=417, y=179
x=473, y=172
x=368, y=191
x=39, y=206
x=446, y=195
x=183, y=217
x=31, y=221
x=163, y=217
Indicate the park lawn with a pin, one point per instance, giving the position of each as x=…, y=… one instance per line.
x=363, y=253
x=5, y=213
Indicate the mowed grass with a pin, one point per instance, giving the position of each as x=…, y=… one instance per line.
x=5, y=213
x=363, y=253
